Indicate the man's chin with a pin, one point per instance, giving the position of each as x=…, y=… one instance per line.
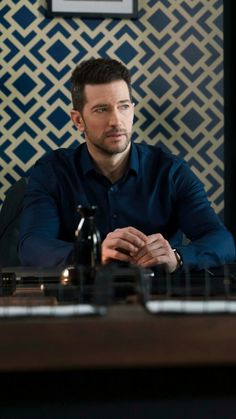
x=112, y=149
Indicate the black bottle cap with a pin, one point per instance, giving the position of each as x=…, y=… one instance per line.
x=87, y=210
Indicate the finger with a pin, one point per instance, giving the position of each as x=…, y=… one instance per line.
x=155, y=238
x=161, y=260
x=153, y=251
x=134, y=231
x=126, y=236
x=117, y=255
x=118, y=244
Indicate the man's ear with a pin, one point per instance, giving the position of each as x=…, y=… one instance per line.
x=78, y=120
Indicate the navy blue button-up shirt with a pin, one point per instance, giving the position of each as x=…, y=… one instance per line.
x=158, y=194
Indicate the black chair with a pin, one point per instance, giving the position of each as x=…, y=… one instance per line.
x=9, y=223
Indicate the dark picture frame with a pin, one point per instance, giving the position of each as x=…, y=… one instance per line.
x=93, y=8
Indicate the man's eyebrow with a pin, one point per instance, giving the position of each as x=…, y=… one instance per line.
x=100, y=105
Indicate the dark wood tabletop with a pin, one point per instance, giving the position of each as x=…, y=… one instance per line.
x=127, y=336
x=109, y=363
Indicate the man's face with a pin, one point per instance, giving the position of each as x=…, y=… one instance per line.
x=107, y=117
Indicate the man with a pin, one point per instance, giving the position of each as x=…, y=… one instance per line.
x=146, y=198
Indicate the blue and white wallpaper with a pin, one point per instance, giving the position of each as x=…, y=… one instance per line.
x=174, y=51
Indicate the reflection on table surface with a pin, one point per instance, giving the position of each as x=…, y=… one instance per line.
x=67, y=291
x=74, y=291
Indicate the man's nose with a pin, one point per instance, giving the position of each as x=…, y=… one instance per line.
x=114, y=117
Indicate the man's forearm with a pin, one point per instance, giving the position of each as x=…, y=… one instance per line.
x=44, y=252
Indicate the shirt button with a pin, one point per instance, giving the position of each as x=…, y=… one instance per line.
x=114, y=216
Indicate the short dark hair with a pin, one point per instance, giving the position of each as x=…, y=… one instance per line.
x=96, y=71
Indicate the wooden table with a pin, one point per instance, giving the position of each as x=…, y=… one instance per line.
x=128, y=357
x=126, y=337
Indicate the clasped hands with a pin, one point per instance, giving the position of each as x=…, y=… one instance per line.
x=131, y=245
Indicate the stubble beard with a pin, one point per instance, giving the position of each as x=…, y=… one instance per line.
x=109, y=149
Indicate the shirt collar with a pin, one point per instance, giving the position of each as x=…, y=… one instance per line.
x=87, y=164
x=134, y=159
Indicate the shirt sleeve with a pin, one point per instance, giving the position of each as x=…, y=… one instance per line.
x=209, y=242
x=39, y=243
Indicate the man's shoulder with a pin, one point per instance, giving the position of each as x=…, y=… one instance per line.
x=57, y=161
x=59, y=154
x=154, y=153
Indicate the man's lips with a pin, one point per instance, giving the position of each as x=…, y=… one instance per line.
x=115, y=134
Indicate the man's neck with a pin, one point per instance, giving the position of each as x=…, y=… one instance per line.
x=111, y=166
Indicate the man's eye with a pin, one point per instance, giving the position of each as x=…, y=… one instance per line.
x=124, y=107
x=100, y=110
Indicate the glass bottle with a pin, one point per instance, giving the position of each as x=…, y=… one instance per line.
x=87, y=239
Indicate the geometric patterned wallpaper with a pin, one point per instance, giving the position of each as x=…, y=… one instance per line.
x=174, y=51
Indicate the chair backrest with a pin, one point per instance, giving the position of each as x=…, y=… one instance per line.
x=9, y=223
